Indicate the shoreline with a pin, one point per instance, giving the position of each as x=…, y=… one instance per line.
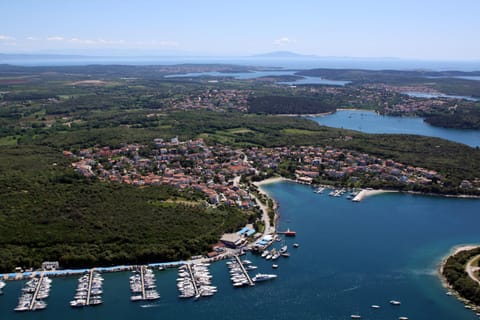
x=443, y=280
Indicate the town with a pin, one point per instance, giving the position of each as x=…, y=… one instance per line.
x=216, y=170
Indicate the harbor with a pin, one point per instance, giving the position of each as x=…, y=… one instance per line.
x=194, y=281
x=327, y=276
x=89, y=290
x=238, y=273
x=34, y=293
x=142, y=285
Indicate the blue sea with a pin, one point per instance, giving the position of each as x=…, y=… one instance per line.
x=371, y=122
x=351, y=255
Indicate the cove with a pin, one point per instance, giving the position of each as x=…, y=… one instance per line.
x=371, y=122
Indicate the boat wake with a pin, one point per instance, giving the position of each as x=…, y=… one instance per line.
x=351, y=289
x=149, y=305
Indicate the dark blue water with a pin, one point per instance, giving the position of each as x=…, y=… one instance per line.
x=351, y=255
x=437, y=95
x=371, y=122
x=259, y=74
x=290, y=63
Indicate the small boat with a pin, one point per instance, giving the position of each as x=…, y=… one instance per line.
x=274, y=266
x=402, y=318
x=448, y=293
x=296, y=245
x=265, y=253
x=286, y=254
x=290, y=233
x=395, y=302
x=355, y=316
x=283, y=249
x=374, y=306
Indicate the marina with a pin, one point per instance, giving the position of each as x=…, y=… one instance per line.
x=89, y=290
x=238, y=274
x=194, y=281
x=34, y=293
x=142, y=285
x=316, y=281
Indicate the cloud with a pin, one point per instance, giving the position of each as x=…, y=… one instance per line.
x=55, y=38
x=33, y=38
x=6, y=38
x=284, y=41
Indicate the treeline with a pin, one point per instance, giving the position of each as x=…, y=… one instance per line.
x=462, y=118
x=458, y=278
x=291, y=105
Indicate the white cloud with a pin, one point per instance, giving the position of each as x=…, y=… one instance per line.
x=6, y=38
x=33, y=38
x=284, y=41
x=55, y=38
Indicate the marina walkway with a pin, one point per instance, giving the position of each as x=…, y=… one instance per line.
x=250, y=281
x=37, y=290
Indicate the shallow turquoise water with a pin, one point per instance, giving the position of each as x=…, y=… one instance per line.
x=351, y=255
x=370, y=122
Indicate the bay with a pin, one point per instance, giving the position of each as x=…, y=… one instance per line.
x=258, y=74
x=371, y=122
x=351, y=255
x=418, y=94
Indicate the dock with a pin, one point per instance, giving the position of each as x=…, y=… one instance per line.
x=195, y=287
x=245, y=273
x=142, y=281
x=34, y=293
x=89, y=289
x=37, y=290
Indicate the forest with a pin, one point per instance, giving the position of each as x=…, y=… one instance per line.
x=458, y=278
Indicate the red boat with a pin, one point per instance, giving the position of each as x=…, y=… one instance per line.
x=290, y=233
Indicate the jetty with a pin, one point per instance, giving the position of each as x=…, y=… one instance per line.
x=195, y=287
x=34, y=293
x=89, y=290
x=245, y=273
x=142, y=285
x=37, y=290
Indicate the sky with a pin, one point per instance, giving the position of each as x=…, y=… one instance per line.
x=409, y=29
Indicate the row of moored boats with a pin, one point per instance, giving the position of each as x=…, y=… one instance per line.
x=195, y=281
x=34, y=293
x=240, y=276
x=89, y=290
x=142, y=285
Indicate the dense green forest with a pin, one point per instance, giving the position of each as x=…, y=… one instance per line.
x=458, y=278
x=48, y=212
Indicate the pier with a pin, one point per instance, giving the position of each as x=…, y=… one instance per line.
x=195, y=287
x=89, y=288
x=250, y=281
x=142, y=281
x=35, y=294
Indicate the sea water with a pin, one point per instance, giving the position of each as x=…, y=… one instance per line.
x=371, y=122
x=351, y=255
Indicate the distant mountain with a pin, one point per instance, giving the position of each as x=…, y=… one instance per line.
x=284, y=54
